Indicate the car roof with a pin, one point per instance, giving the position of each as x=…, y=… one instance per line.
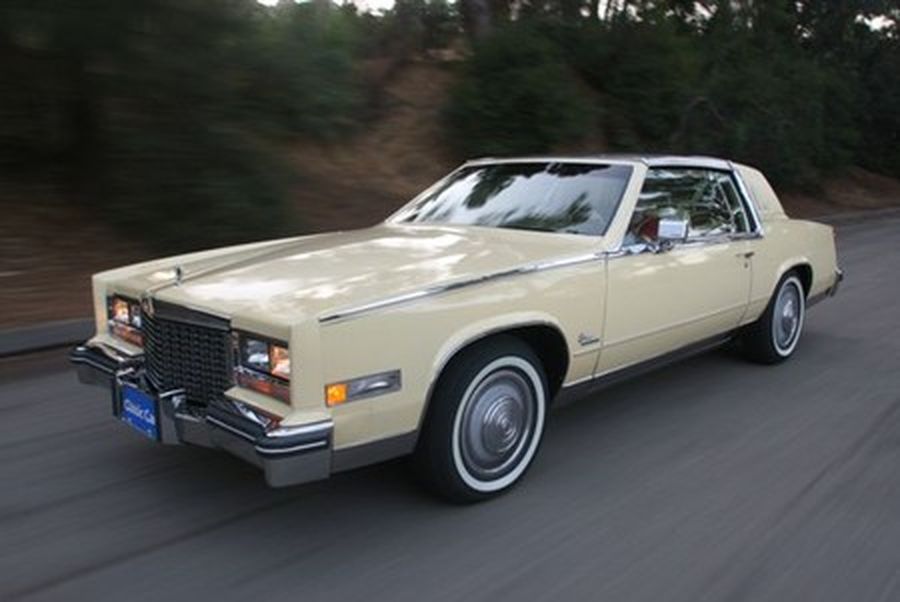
x=651, y=160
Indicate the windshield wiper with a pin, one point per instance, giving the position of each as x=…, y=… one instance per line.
x=530, y=228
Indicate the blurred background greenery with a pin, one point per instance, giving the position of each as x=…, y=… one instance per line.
x=179, y=121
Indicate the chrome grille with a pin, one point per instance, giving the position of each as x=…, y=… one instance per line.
x=193, y=355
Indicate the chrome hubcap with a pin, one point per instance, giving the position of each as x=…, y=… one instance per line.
x=497, y=423
x=787, y=316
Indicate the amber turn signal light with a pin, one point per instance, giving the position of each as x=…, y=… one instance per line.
x=362, y=387
x=336, y=394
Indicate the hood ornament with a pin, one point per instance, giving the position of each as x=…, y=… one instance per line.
x=179, y=275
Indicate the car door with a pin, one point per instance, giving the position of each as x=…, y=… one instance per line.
x=664, y=297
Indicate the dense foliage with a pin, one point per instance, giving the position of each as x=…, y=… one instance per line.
x=165, y=115
x=172, y=116
x=517, y=95
x=800, y=89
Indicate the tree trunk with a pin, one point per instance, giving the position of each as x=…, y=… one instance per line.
x=477, y=17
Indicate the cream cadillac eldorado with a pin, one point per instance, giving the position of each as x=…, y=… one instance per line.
x=447, y=331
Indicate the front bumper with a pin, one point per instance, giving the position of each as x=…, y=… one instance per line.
x=288, y=456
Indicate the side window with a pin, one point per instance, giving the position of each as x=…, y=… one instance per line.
x=706, y=198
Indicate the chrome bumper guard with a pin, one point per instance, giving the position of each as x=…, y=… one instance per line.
x=303, y=455
x=288, y=456
x=838, y=278
x=831, y=291
x=99, y=365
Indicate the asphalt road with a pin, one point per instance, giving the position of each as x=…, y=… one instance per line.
x=708, y=480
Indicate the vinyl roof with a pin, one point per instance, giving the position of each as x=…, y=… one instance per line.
x=651, y=160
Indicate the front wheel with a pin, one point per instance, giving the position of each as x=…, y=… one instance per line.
x=773, y=338
x=484, y=422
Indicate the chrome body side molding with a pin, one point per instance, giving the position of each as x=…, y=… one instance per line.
x=550, y=264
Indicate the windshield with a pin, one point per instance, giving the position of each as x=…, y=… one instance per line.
x=578, y=198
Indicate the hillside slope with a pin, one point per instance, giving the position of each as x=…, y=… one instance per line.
x=359, y=182
x=48, y=250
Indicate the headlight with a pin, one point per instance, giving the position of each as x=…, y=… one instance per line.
x=263, y=365
x=124, y=319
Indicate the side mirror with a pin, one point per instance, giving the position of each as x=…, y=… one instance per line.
x=672, y=230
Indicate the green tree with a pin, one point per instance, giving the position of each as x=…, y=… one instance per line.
x=516, y=95
x=164, y=115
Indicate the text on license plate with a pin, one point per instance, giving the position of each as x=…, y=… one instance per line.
x=139, y=411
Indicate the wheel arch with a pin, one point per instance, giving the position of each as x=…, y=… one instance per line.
x=542, y=334
x=803, y=267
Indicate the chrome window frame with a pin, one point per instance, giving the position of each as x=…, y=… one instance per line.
x=748, y=200
x=705, y=164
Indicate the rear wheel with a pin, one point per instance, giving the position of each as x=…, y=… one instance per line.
x=773, y=338
x=484, y=422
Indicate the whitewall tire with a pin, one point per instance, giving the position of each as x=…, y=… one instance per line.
x=774, y=337
x=484, y=422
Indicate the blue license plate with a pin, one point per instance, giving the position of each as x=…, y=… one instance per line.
x=139, y=411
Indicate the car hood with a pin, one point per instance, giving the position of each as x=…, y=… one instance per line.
x=290, y=279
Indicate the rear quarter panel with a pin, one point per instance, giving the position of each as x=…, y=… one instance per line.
x=786, y=243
